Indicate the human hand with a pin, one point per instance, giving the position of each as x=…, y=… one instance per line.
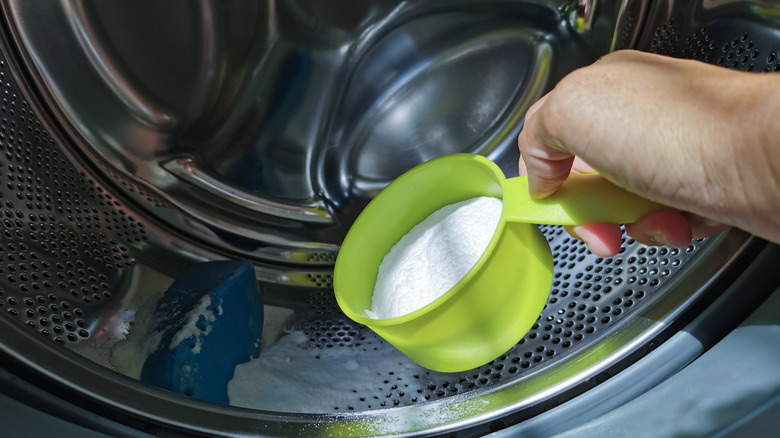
x=682, y=133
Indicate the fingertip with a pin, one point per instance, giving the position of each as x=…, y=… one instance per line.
x=702, y=227
x=603, y=239
x=677, y=235
x=665, y=227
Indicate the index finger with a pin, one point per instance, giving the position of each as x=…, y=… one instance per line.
x=546, y=162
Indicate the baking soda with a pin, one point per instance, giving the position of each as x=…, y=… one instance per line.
x=433, y=256
x=295, y=376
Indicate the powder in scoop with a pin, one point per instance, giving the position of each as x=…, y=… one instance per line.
x=433, y=256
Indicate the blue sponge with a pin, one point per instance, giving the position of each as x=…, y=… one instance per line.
x=211, y=319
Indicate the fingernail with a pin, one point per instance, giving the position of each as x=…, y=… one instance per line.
x=673, y=240
x=711, y=223
x=659, y=239
x=591, y=239
x=584, y=234
x=575, y=232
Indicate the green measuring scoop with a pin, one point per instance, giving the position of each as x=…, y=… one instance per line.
x=492, y=307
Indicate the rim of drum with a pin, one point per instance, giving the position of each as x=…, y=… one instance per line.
x=66, y=373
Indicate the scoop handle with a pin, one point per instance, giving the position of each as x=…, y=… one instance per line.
x=582, y=199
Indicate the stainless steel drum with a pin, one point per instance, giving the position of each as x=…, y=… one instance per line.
x=139, y=138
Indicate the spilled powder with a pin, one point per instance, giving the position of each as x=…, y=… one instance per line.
x=129, y=355
x=295, y=376
x=143, y=334
x=433, y=256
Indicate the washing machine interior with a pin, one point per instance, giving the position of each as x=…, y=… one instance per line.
x=140, y=138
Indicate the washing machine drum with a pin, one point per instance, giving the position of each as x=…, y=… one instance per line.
x=139, y=139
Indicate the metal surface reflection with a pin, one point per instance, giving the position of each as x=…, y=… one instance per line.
x=138, y=138
x=293, y=114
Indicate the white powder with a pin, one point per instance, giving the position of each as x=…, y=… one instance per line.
x=129, y=355
x=433, y=256
x=191, y=329
x=295, y=376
